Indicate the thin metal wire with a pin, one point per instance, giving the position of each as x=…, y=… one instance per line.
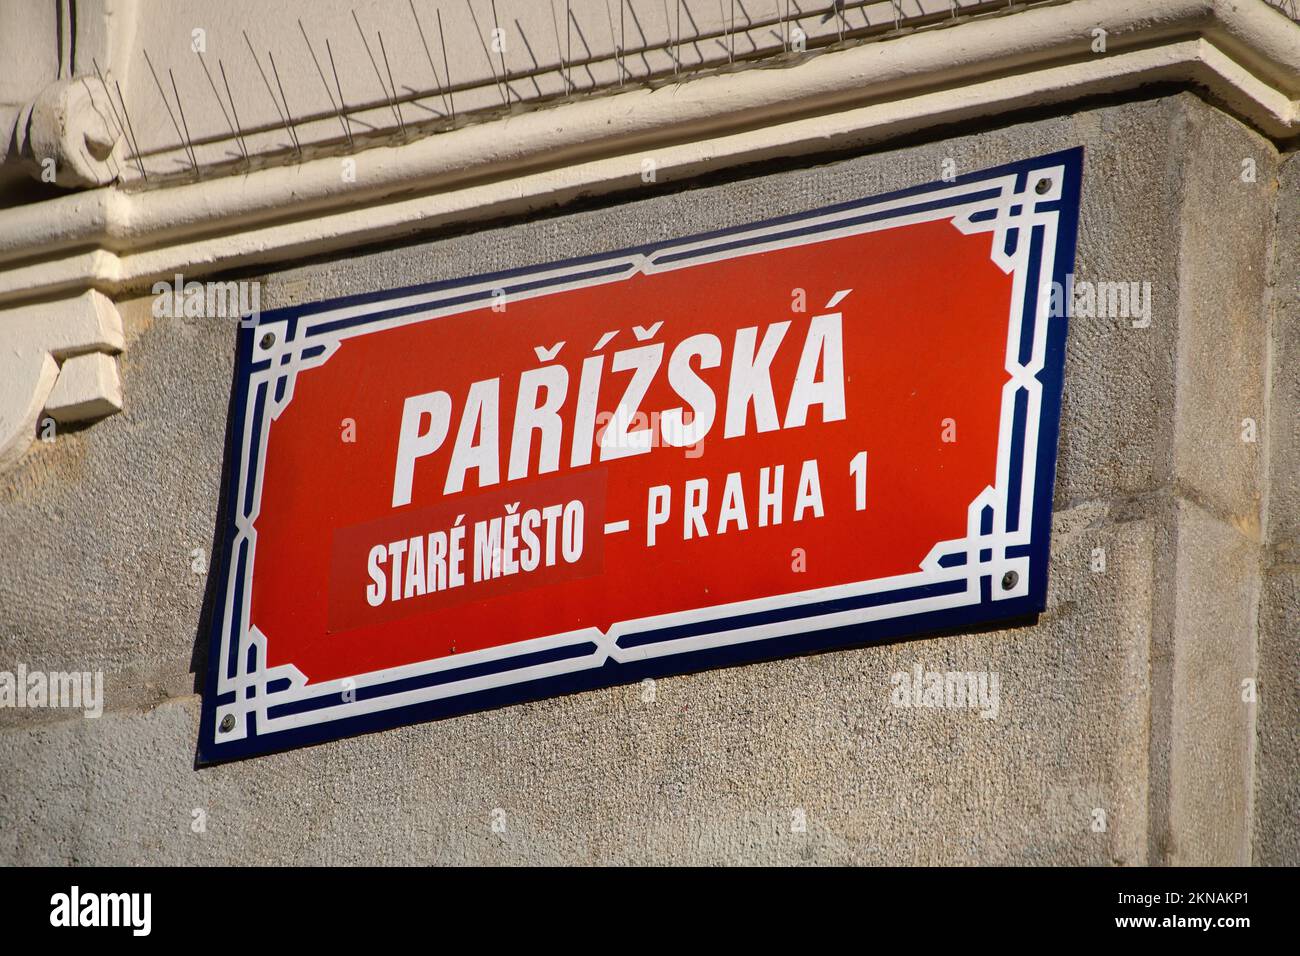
x=505, y=96
x=347, y=133
x=234, y=112
x=131, y=126
x=389, y=70
x=343, y=106
x=451, y=88
x=425, y=43
x=501, y=38
x=130, y=137
x=117, y=120
x=170, y=114
x=378, y=77
x=229, y=121
x=293, y=135
x=271, y=93
x=181, y=109
x=677, y=58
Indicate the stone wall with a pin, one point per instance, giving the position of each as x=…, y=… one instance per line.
x=1123, y=702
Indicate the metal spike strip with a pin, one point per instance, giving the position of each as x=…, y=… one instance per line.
x=785, y=17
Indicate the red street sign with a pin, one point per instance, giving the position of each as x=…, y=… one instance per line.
x=809, y=432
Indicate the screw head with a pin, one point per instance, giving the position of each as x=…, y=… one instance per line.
x=227, y=723
x=1009, y=580
x=268, y=340
x=1043, y=186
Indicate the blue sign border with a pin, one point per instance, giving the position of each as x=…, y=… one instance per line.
x=1005, y=610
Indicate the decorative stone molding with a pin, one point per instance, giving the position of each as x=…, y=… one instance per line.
x=56, y=358
x=87, y=388
x=66, y=136
x=26, y=378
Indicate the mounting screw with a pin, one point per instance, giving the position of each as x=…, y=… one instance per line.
x=227, y=723
x=1043, y=186
x=268, y=340
x=1009, y=580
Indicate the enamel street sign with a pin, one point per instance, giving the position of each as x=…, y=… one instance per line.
x=815, y=431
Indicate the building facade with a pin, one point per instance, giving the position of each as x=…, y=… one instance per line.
x=1149, y=715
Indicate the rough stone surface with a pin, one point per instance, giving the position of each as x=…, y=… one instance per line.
x=1277, y=795
x=107, y=521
